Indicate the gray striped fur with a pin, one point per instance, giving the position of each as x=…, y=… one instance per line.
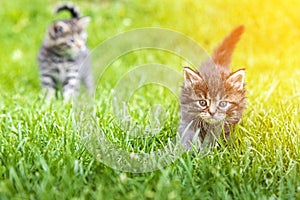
x=64, y=57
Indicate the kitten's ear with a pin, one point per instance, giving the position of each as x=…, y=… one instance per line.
x=84, y=21
x=191, y=76
x=57, y=28
x=236, y=79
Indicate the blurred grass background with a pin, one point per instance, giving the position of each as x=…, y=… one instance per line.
x=42, y=158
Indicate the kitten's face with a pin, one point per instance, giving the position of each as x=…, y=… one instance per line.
x=68, y=37
x=213, y=96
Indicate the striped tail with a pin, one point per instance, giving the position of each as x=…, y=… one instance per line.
x=71, y=8
x=222, y=54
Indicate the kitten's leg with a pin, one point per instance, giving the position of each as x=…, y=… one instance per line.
x=88, y=81
x=48, y=84
x=189, y=136
x=70, y=88
x=87, y=76
x=227, y=131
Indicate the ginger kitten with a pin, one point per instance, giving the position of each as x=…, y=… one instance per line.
x=213, y=98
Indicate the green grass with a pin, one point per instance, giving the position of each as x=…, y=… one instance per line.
x=43, y=157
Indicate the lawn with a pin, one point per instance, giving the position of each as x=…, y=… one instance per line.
x=43, y=155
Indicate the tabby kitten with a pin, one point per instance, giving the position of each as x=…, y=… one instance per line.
x=213, y=98
x=64, y=56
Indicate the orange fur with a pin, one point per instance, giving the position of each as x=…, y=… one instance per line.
x=223, y=53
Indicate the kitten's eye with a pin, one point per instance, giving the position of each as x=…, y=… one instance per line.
x=72, y=40
x=223, y=104
x=203, y=103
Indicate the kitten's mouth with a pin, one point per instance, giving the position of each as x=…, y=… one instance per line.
x=212, y=120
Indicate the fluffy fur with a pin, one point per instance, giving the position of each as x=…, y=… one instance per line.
x=64, y=56
x=213, y=98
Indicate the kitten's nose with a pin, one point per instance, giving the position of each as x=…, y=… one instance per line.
x=212, y=111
